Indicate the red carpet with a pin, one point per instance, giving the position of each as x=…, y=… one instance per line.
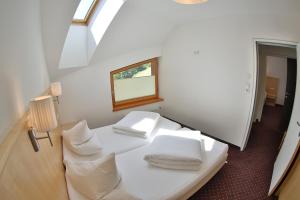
x=247, y=175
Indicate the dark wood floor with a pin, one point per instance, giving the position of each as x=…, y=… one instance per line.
x=247, y=175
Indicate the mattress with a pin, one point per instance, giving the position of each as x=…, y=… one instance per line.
x=153, y=183
x=118, y=143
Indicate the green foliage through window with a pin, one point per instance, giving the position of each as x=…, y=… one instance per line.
x=141, y=71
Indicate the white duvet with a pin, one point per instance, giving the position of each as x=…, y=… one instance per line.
x=152, y=183
x=117, y=143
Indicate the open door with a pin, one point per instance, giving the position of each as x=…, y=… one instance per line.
x=291, y=142
x=289, y=93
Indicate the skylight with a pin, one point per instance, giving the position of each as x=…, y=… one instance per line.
x=84, y=10
x=104, y=18
x=82, y=41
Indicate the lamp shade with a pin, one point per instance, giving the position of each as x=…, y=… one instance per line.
x=43, y=114
x=191, y=1
x=56, y=89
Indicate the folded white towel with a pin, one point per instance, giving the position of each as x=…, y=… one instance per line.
x=176, y=150
x=137, y=123
x=182, y=165
x=141, y=135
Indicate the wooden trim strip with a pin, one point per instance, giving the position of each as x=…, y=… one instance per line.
x=286, y=171
x=288, y=189
x=135, y=104
x=152, y=60
x=145, y=98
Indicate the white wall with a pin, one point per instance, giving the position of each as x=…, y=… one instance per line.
x=130, y=31
x=206, y=67
x=74, y=53
x=23, y=73
x=277, y=67
x=206, y=90
x=87, y=93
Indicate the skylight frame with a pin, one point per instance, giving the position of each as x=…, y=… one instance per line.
x=88, y=15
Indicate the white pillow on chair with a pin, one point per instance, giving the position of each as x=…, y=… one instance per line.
x=91, y=147
x=93, y=179
x=79, y=134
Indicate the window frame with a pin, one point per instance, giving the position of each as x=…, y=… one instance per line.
x=89, y=14
x=139, y=101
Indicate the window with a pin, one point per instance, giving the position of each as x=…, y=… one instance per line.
x=84, y=11
x=135, y=85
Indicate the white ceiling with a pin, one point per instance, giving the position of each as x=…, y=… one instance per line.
x=145, y=23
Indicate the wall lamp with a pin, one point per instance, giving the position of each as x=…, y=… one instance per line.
x=55, y=90
x=42, y=119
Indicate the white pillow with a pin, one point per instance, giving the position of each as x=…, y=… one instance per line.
x=93, y=179
x=79, y=134
x=91, y=147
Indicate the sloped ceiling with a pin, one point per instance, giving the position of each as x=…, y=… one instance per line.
x=145, y=23
x=56, y=16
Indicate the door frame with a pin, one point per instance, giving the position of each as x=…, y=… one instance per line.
x=254, y=79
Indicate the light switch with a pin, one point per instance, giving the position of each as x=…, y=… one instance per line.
x=247, y=87
x=196, y=52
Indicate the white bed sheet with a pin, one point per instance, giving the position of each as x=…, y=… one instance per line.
x=152, y=183
x=118, y=143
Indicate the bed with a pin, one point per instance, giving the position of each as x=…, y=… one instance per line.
x=118, y=143
x=151, y=183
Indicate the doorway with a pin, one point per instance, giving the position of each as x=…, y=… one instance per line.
x=291, y=142
x=276, y=82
